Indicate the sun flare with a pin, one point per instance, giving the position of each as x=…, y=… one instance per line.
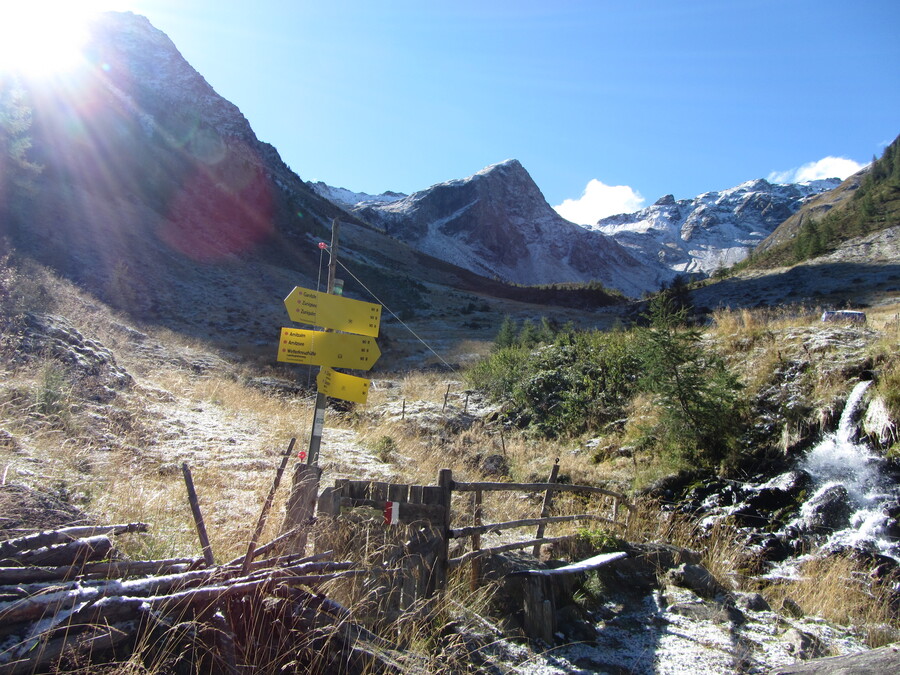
x=42, y=38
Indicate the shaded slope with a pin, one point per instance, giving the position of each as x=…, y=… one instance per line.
x=156, y=195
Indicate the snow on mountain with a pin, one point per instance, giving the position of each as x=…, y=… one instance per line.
x=497, y=223
x=348, y=199
x=713, y=230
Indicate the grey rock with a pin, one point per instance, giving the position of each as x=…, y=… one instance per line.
x=881, y=660
x=753, y=602
x=698, y=579
x=827, y=511
x=804, y=645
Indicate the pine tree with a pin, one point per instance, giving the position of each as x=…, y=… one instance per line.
x=506, y=336
x=17, y=171
x=696, y=392
x=528, y=334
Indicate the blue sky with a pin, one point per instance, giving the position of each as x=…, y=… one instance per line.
x=649, y=98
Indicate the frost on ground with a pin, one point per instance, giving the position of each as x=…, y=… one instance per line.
x=667, y=634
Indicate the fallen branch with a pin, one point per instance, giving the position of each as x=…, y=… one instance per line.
x=74, y=553
x=31, y=542
x=125, y=568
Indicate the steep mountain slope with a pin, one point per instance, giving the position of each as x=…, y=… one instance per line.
x=711, y=231
x=865, y=203
x=815, y=207
x=497, y=223
x=155, y=195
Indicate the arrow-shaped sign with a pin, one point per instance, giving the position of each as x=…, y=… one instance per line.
x=343, y=386
x=333, y=311
x=315, y=348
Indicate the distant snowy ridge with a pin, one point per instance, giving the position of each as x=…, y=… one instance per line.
x=713, y=230
x=348, y=199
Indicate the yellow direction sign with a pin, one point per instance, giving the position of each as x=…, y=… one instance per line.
x=315, y=348
x=343, y=386
x=333, y=311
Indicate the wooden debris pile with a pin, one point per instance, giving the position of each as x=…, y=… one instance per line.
x=67, y=600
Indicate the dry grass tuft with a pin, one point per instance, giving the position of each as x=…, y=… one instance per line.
x=841, y=591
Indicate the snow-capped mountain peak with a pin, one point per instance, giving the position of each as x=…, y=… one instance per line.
x=349, y=199
x=712, y=230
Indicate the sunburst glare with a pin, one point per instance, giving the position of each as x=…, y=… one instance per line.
x=39, y=38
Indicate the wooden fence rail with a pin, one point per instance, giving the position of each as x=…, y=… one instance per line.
x=431, y=505
x=526, y=522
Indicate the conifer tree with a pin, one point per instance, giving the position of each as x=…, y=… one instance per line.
x=506, y=336
x=17, y=171
x=696, y=392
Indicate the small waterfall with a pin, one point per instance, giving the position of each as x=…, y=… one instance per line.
x=840, y=463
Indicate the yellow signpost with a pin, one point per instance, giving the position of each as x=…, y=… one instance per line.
x=316, y=348
x=333, y=311
x=343, y=386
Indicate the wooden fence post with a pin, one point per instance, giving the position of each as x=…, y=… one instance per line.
x=545, y=509
x=302, y=503
x=261, y=523
x=446, y=396
x=442, y=564
x=476, y=539
x=198, y=515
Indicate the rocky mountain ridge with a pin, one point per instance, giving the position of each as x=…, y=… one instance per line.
x=713, y=230
x=348, y=199
x=517, y=237
x=497, y=223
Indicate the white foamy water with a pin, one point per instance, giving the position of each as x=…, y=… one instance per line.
x=839, y=459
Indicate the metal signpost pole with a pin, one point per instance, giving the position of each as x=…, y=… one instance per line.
x=305, y=489
x=315, y=437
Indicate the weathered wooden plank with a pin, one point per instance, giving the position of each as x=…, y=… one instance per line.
x=25, y=575
x=477, y=513
x=398, y=493
x=74, y=553
x=358, y=489
x=546, y=506
x=198, y=515
x=441, y=563
x=432, y=494
x=409, y=513
x=378, y=491
x=63, y=535
x=540, y=613
x=261, y=523
x=525, y=522
x=301, y=505
x=541, y=487
x=471, y=555
x=576, y=567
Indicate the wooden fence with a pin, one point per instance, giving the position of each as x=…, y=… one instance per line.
x=430, y=506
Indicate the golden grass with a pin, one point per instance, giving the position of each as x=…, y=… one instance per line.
x=130, y=483
x=839, y=590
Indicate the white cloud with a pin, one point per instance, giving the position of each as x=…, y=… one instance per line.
x=598, y=201
x=827, y=167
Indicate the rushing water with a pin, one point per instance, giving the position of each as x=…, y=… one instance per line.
x=840, y=460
